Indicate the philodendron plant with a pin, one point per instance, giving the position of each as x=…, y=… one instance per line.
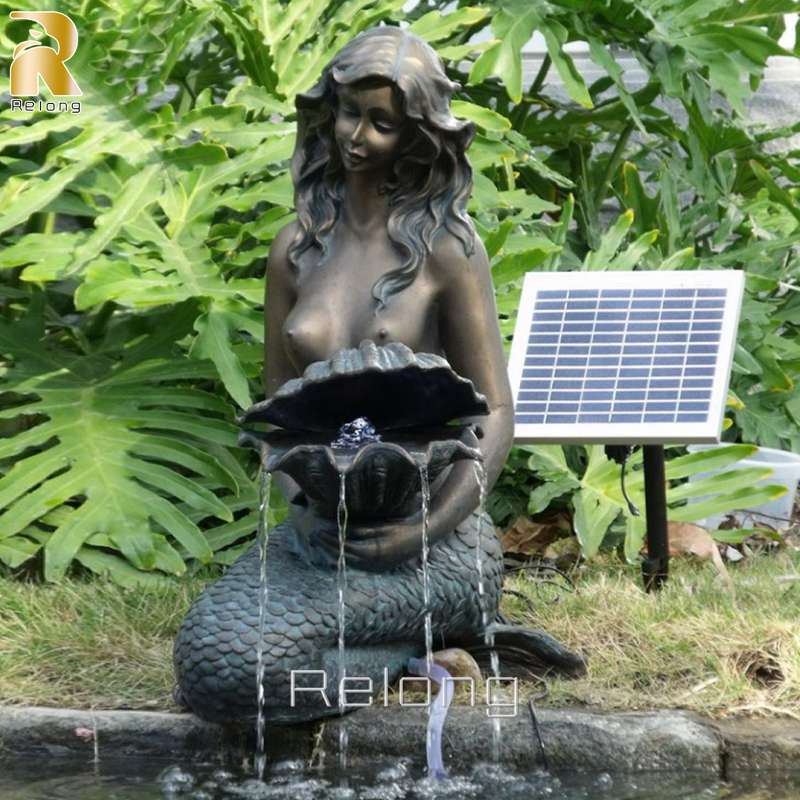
x=133, y=237
x=596, y=495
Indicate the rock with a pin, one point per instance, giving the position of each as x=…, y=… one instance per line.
x=759, y=744
x=605, y=743
x=631, y=742
x=459, y=663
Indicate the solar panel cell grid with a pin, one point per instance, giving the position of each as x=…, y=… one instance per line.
x=621, y=355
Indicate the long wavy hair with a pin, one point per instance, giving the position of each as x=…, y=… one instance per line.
x=431, y=179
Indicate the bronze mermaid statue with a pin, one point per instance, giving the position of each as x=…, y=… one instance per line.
x=382, y=262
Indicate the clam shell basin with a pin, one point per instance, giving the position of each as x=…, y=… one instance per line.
x=391, y=385
x=382, y=479
x=217, y=646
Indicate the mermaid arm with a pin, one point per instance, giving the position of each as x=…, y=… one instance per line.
x=471, y=342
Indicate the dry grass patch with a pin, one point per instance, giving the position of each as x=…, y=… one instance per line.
x=694, y=645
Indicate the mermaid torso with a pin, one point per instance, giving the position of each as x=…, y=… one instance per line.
x=313, y=330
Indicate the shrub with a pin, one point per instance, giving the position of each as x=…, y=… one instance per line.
x=134, y=234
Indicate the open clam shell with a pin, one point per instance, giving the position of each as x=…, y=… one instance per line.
x=389, y=384
x=382, y=479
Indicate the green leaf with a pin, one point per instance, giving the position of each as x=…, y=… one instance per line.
x=636, y=198
x=541, y=496
x=609, y=243
x=635, y=532
x=494, y=240
x=23, y=196
x=773, y=376
x=547, y=460
x=137, y=545
x=34, y=248
x=99, y=452
x=706, y=460
x=633, y=254
x=213, y=342
x=513, y=267
x=512, y=28
x=108, y=225
x=560, y=232
x=739, y=535
x=603, y=58
x=119, y=570
x=435, y=26
x=764, y=420
x=680, y=259
x=16, y=550
x=733, y=501
x=593, y=517
x=776, y=192
x=195, y=154
x=458, y=52
x=484, y=117
x=729, y=481
x=746, y=361
x=555, y=36
x=127, y=284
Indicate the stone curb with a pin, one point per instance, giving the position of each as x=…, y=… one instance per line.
x=572, y=739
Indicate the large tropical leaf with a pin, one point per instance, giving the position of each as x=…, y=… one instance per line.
x=110, y=445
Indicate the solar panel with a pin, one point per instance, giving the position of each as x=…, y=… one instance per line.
x=624, y=357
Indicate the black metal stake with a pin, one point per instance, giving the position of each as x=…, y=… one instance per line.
x=655, y=566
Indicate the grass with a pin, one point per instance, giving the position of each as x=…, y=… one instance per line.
x=94, y=645
x=89, y=644
x=693, y=645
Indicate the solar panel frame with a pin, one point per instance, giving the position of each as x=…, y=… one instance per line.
x=668, y=315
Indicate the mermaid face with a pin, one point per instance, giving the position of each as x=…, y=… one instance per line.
x=369, y=126
x=347, y=127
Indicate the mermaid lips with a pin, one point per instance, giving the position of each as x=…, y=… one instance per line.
x=352, y=159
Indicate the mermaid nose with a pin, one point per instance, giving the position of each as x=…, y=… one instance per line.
x=357, y=136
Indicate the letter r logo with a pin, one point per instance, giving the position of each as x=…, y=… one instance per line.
x=32, y=59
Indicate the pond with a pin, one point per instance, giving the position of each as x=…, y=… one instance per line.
x=65, y=779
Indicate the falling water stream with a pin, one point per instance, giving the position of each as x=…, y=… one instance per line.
x=437, y=713
x=264, y=485
x=426, y=586
x=426, y=599
x=341, y=583
x=480, y=475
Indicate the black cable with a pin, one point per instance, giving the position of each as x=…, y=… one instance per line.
x=631, y=507
x=620, y=453
x=538, y=734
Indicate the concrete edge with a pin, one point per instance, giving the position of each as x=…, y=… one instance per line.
x=573, y=739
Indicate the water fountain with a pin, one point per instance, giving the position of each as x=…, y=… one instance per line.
x=386, y=381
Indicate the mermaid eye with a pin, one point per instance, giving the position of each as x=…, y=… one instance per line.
x=383, y=123
x=348, y=111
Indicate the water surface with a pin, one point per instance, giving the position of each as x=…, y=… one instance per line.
x=112, y=779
